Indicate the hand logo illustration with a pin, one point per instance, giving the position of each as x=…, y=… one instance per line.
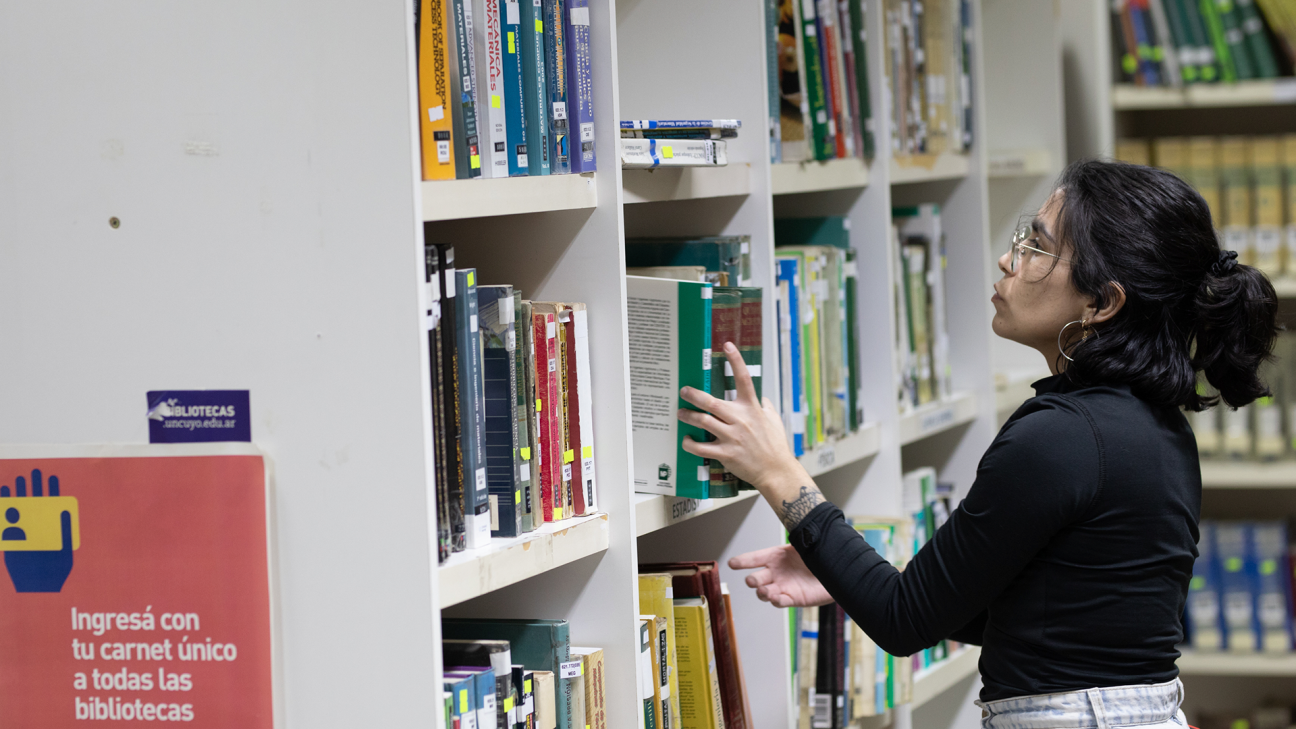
x=40, y=534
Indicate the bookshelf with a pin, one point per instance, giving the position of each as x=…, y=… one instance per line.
x=940, y=677
x=301, y=264
x=1272, y=92
x=1224, y=664
x=1248, y=475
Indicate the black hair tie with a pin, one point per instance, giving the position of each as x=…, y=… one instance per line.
x=1225, y=265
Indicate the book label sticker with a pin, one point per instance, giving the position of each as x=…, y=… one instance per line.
x=481, y=479
x=560, y=110
x=580, y=16
x=199, y=416
x=571, y=669
x=567, y=472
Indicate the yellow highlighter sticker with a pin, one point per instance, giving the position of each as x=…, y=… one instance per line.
x=472, y=277
x=474, y=161
x=539, y=405
x=463, y=700
x=495, y=101
x=668, y=152
x=587, y=452
x=539, y=25
x=526, y=686
x=512, y=48
x=508, y=704
x=517, y=497
x=569, y=456
x=526, y=454
x=35, y=523
x=557, y=513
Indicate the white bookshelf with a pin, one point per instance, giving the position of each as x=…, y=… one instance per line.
x=937, y=417
x=788, y=178
x=939, y=677
x=1227, y=664
x=654, y=512
x=1226, y=474
x=685, y=183
x=929, y=168
x=853, y=448
x=1271, y=92
x=456, y=199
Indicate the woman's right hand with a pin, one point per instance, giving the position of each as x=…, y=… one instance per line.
x=781, y=578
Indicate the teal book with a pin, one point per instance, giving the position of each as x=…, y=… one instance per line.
x=717, y=254
x=484, y=687
x=1256, y=40
x=463, y=698
x=856, y=404
x=462, y=87
x=535, y=89
x=1208, y=67
x=831, y=231
x=539, y=645
x=499, y=379
x=472, y=421
x=670, y=348
x=519, y=163
x=859, y=35
x=555, y=39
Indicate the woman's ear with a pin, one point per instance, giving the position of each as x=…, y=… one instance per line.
x=1115, y=301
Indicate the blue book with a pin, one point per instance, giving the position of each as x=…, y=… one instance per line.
x=463, y=698
x=483, y=681
x=794, y=415
x=1205, y=621
x=535, y=90
x=1143, y=36
x=1273, y=613
x=1237, y=592
x=472, y=422
x=499, y=376
x=539, y=645
x=514, y=95
x=556, y=75
x=580, y=87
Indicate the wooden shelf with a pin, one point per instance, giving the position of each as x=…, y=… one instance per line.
x=503, y=562
x=1225, y=664
x=936, y=417
x=789, y=178
x=928, y=168
x=940, y=677
x=653, y=512
x=685, y=183
x=1127, y=97
x=857, y=446
x=1013, y=163
x=455, y=199
x=1248, y=474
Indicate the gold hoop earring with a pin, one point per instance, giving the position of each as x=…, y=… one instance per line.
x=1085, y=329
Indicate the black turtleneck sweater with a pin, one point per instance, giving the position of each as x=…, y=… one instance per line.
x=1068, y=561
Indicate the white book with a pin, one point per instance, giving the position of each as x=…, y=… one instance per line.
x=492, y=122
x=584, y=392
x=642, y=154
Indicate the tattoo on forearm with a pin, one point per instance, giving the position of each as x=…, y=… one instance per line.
x=797, y=509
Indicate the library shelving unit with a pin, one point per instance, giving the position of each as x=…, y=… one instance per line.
x=262, y=168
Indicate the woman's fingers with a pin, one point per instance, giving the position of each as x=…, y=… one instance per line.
x=752, y=560
x=742, y=378
x=760, y=578
x=698, y=448
x=705, y=421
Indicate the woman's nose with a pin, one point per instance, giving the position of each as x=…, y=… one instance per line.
x=1004, y=261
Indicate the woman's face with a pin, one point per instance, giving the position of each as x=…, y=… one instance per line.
x=1033, y=303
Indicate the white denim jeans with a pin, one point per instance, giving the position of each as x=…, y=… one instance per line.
x=1154, y=706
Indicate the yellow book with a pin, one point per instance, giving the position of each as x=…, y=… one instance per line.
x=1133, y=151
x=863, y=673
x=807, y=664
x=435, y=119
x=699, y=697
x=546, y=703
x=1203, y=162
x=593, y=686
x=1268, y=199
x=1171, y=154
x=1236, y=175
x=655, y=598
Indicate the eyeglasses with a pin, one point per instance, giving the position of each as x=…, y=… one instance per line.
x=1021, y=237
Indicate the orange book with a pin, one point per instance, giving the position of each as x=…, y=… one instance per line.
x=435, y=118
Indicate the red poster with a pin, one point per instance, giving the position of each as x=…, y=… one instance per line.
x=135, y=590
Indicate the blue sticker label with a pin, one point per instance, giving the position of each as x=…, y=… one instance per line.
x=199, y=416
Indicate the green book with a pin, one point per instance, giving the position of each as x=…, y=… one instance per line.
x=1230, y=70
x=539, y=645
x=823, y=146
x=726, y=326
x=522, y=456
x=535, y=88
x=859, y=33
x=1180, y=41
x=833, y=231
x=855, y=405
x=1257, y=41
x=729, y=254
x=670, y=348
x=812, y=299
x=1207, y=63
x=752, y=345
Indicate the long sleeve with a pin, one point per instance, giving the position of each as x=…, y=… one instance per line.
x=974, y=632
x=1042, y=472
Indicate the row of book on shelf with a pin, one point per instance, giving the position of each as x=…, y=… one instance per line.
x=1265, y=430
x=1248, y=182
x=839, y=674
x=1240, y=597
x=512, y=413
x=650, y=143
x=918, y=279
x=505, y=88
x=1178, y=42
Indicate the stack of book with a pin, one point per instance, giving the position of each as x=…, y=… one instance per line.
x=686, y=298
x=649, y=143
x=1178, y=42
x=818, y=332
x=922, y=341
x=1265, y=430
x=928, y=73
x=505, y=88
x=818, y=80
x=511, y=407
x=928, y=504
x=520, y=674
x=1249, y=184
x=694, y=675
x=1240, y=596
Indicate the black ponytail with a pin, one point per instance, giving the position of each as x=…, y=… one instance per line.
x=1189, y=306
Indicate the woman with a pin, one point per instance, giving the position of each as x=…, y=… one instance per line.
x=1069, y=560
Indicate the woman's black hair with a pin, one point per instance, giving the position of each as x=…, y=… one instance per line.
x=1189, y=306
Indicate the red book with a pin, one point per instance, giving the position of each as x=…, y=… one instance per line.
x=702, y=579
x=572, y=456
x=546, y=353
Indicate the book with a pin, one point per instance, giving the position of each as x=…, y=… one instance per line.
x=535, y=90
x=510, y=19
x=463, y=87
x=548, y=411
x=1268, y=543
x=463, y=704
x=684, y=133
x=850, y=69
x=499, y=379
x=717, y=254
x=751, y=347
x=546, y=698
x=1217, y=27
x=466, y=655
x=454, y=463
x=1236, y=595
x=435, y=326
x=655, y=595
x=579, y=697
x=560, y=447
x=683, y=273
x=555, y=48
x=1181, y=46
x=651, y=124
x=540, y=645
x=833, y=59
x=1235, y=173
x=594, y=683
x=641, y=154
x=531, y=452
x=670, y=343
x=1208, y=62
x=700, y=701
x=522, y=415
x=484, y=691
x=859, y=37
x=921, y=225
x=580, y=90
x=492, y=122
x=1164, y=50
x=855, y=404
x=772, y=80
x=524, y=680
x=580, y=413
x=748, y=716
x=648, y=677
x=726, y=326
x=794, y=106
x=822, y=145
x=1267, y=196
x=472, y=433
x=436, y=110
x=1287, y=157
x=791, y=386
x=702, y=580
x=807, y=662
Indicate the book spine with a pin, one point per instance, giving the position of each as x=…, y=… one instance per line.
x=794, y=108
x=514, y=93
x=679, y=134
x=490, y=88
x=1183, y=48
x=495, y=304
x=464, y=85
x=1203, y=48
x=571, y=457
x=856, y=409
x=530, y=453
x=472, y=421
x=649, y=153
x=581, y=89
x=536, y=86
x=436, y=119
x=1165, y=47
x=852, y=82
x=859, y=31
x=544, y=405
x=555, y=38
x=1219, y=41
x=553, y=413
x=521, y=424
x=772, y=79
x=815, y=87
x=751, y=343
x=452, y=409
x=432, y=280
x=1257, y=41
x=565, y=454
x=678, y=124
x=835, y=54
x=584, y=388
x=790, y=272
x=726, y=326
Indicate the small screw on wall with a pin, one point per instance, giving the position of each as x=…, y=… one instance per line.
x=114, y=223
